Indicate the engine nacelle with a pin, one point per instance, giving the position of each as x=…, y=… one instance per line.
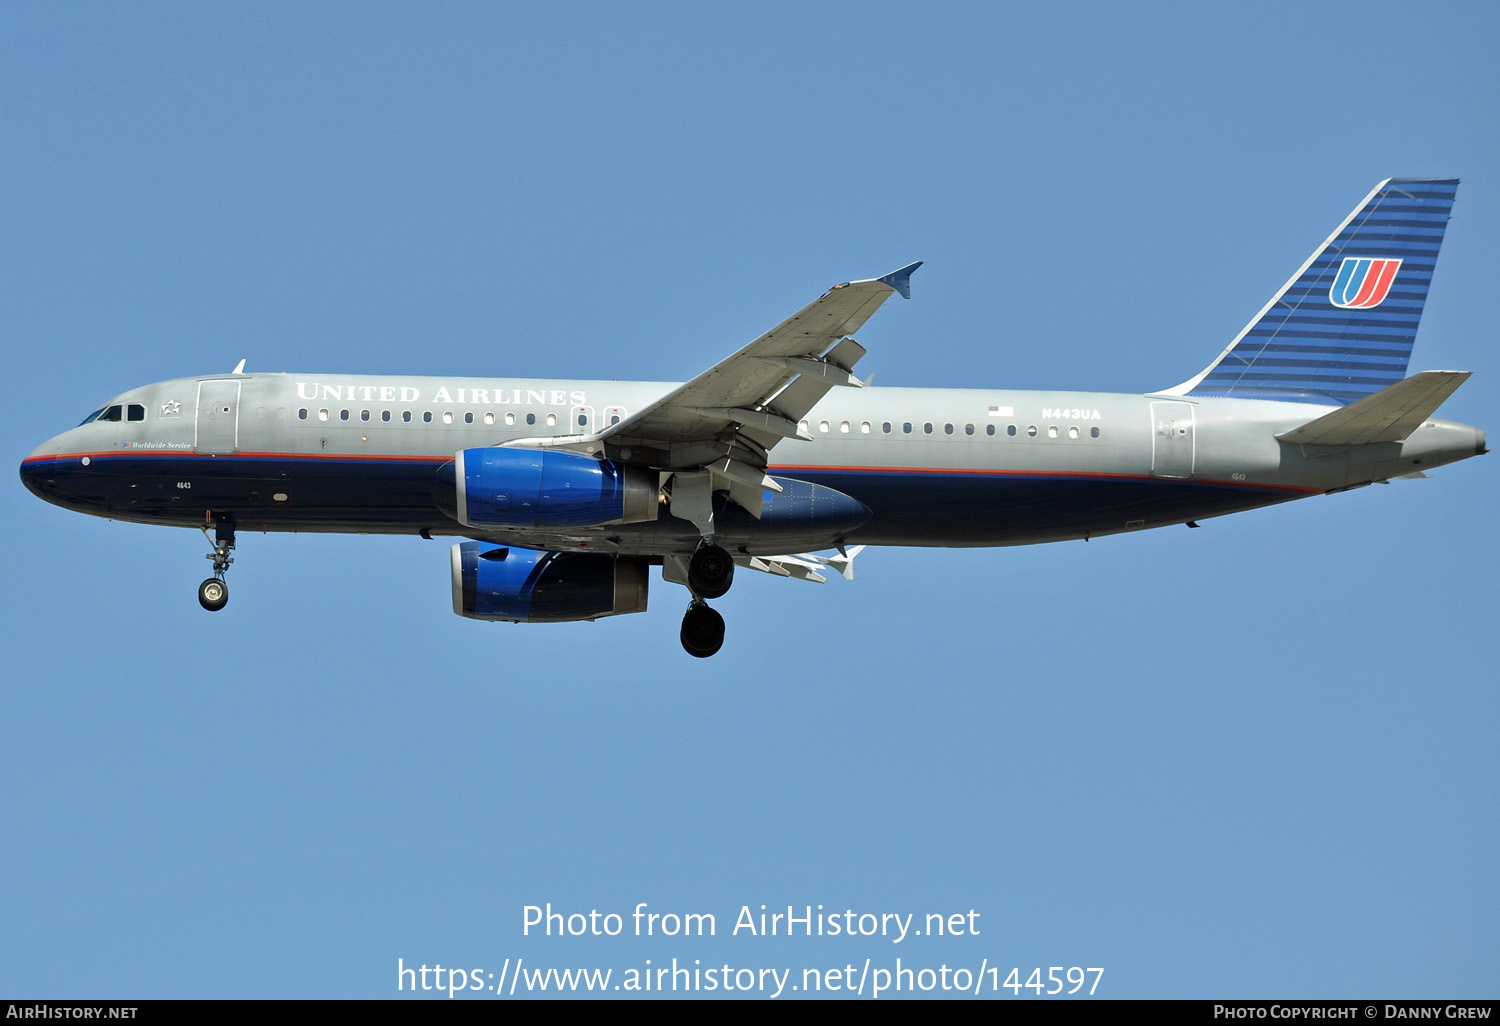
x=526, y=586
x=541, y=488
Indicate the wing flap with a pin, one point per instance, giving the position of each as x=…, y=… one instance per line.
x=804, y=566
x=784, y=566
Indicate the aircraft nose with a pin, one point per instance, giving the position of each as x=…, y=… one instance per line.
x=40, y=469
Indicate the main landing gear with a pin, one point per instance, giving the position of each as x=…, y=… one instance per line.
x=213, y=594
x=710, y=573
x=702, y=630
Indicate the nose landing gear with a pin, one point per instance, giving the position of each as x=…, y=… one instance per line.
x=213, y=594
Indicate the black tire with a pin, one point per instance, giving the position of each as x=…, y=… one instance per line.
x=213, y=594
x=702, y=631
x=710, y=572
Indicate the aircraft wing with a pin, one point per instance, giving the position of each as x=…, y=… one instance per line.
x=729, y=417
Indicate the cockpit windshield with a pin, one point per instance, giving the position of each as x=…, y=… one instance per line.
x=116, y=413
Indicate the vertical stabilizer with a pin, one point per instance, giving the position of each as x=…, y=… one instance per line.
x=1342, y=328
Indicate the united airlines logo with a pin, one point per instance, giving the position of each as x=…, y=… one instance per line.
x=1363, y=282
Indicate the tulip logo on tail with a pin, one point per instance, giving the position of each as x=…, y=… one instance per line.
x=1363, y=282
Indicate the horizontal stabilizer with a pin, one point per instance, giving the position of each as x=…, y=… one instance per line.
x=1387, y=416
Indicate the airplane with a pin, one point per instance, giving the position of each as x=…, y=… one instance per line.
x=568, y=492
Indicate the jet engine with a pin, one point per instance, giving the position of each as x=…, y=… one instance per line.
x=526, y=586
x=542, y=488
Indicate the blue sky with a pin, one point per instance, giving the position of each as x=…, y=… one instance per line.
x=1253, y=760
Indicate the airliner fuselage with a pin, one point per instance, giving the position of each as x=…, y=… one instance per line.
x=951, y=467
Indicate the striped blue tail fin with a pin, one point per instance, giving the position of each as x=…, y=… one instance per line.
x=1342, y=328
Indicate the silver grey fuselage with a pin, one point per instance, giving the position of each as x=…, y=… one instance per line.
x=952, y=467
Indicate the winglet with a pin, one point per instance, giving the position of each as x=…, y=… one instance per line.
x=901, y=280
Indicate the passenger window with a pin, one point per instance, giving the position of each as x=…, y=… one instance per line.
x=406, y=416
x=1093, y=432
x=968, y=429
x=989, y=429
x=844, y=427
x=583, y=420
x=1072, y=432
x=427, y=417
x=510, y=418
x=136, y=412
x=385, y=415
x=822, y=425
x=947, y=429
x=447, y=416
x=906, y=427
x=886, y=427
x=1031, y=430
x=343, y=415
x=531, y=418
x=322, y=414
x=1011, y=430
x=927, y=428
x=864, y=427
x=364, y=414
x=552, y=420
x=302, y=414
x=1052, y=431
x=489, y=418
x=468, y=418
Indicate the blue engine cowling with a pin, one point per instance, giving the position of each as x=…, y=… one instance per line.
x=544, y=587
x=540, y=488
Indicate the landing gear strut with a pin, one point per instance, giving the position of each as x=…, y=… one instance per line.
x=702, y=630
x=213, y=594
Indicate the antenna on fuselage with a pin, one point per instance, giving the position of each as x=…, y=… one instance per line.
x=239, y=368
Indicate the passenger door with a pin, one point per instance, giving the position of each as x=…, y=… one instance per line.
x=218, y=417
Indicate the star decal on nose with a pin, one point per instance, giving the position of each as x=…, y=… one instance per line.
x=171, y=409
